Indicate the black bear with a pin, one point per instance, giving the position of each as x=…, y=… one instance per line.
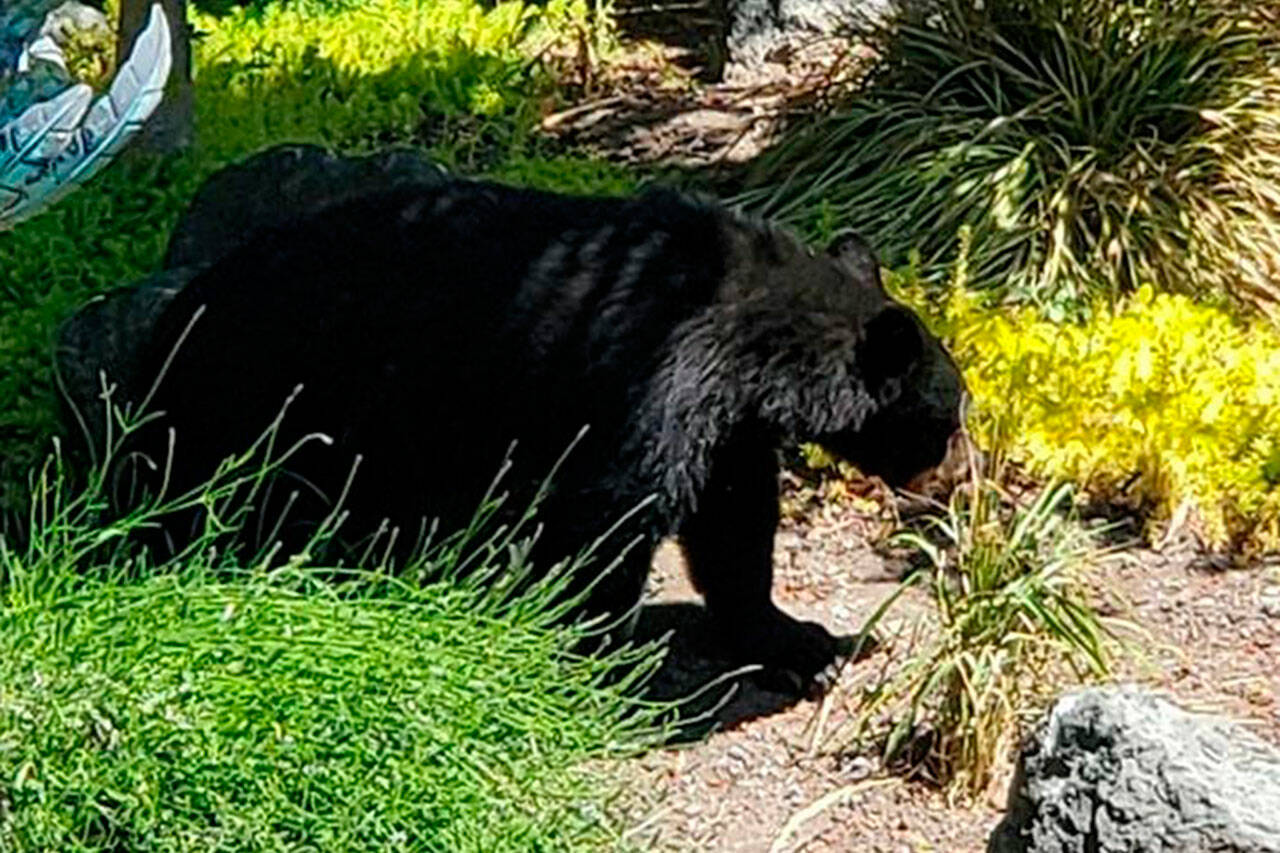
x=432, y=324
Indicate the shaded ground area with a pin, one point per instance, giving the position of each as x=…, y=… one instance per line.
x=648, y=106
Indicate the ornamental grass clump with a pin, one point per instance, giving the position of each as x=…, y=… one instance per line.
x=1011, y=623
x=215, y=702
x=1091, y=145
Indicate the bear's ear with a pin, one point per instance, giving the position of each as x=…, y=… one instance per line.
x=892, y=343
x=853, y=254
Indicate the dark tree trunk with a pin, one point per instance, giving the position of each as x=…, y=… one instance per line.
x=172, y=126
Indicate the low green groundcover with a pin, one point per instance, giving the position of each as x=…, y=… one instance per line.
x=181, y=712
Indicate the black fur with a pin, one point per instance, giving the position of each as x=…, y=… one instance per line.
x=272, y=189
x=432, y=325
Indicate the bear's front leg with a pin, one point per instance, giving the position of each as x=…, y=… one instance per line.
x=728, y=547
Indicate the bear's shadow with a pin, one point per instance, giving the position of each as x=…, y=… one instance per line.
x=710, y=693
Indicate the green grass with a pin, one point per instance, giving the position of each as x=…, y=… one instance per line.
x=1092, y=146
x=459, y=78
x=182, y=714
x=200, y=706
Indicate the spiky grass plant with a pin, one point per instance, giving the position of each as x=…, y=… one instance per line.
x=1092, y=146
x=214, y=704
x=1012, y=622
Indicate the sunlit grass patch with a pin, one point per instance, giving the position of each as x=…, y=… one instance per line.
x=218, y=701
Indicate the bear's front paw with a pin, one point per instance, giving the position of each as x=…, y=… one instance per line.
x=797, y=657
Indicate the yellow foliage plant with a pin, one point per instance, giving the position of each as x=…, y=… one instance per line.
x=359, y=74
x=1161, y=403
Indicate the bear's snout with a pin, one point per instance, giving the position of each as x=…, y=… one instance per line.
x=958, y=460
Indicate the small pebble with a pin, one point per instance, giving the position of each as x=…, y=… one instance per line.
x=1270, y=602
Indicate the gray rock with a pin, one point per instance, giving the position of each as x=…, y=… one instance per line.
x=759, y=29
x=1122, y=769
x=100, y=347
x=281, y=184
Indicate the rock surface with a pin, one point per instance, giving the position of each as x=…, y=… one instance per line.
x=759, y=29
x=100, y=347
x=1123, y=769
x=280, y=184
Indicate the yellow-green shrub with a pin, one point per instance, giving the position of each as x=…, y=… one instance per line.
x=366, y=72
x=1163, y=404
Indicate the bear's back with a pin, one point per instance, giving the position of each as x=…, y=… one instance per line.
x=525, y=310
x=545, y=272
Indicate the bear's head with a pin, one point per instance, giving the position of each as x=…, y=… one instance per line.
x=800, y=346
x=830, y=358
x=916, y=393
x=919, y=398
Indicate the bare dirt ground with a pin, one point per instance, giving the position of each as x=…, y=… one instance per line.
x=644, y=107
x=762, y=783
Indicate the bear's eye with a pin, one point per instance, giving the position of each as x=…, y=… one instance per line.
x=890, y=389
x=891, y=344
